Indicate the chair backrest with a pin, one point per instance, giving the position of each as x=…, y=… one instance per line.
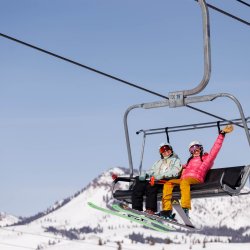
x=219, y=182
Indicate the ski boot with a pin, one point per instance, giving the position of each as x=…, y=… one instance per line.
x=149, y=211
x=166, y=214
x=186, y=210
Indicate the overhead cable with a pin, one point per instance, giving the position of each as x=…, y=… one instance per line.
x=79, y=64
x=247, y=4
x=104, y=74
x=227, y=14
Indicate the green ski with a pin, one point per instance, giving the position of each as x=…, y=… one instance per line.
x=151, y=218
x=132, y=217
x=165, y=223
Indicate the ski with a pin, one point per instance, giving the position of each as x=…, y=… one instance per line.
x=132, y=217
x=166, y=223
x=152, y=218
x=177, y=207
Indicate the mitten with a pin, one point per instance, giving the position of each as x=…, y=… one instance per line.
x=227, y=129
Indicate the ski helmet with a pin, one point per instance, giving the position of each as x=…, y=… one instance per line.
x=164, y=147
x=195, y=145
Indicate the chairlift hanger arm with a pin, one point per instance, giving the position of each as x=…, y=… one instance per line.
x=176, y=98
x=207, y=52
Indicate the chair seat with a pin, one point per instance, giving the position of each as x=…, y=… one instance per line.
x=212, y=187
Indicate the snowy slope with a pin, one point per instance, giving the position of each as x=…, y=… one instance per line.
x=224, y=216
x=232, y=212
x=7, y=219
x=73, y=219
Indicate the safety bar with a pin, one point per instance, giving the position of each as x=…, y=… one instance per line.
x=190, y=127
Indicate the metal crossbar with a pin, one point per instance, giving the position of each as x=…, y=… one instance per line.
x=191, y=126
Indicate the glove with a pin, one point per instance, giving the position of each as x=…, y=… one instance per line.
x=152, y=181
x=227, y=129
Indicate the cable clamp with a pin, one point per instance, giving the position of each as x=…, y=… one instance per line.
x=176, y=99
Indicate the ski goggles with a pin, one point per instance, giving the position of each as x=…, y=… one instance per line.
x=164, y=149
x=193, y=148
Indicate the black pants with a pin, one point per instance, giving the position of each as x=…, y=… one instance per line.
x=140, y=189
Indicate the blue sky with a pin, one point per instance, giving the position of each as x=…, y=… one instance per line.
x=61, y=125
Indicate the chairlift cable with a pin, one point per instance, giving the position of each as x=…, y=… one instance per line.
x=104, y=74
x=247, y=4
x=215, y=116
x=79, y=64
x=227, y=14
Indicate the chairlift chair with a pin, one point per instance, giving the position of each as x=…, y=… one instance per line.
x=227, y=181
x=218, y=182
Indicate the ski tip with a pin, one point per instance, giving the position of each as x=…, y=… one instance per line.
x=91, y=204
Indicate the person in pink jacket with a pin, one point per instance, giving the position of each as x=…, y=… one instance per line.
x=194, y=172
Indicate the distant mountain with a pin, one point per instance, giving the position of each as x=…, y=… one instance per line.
x=101, y=183
x=7, y=219
x=224, y=219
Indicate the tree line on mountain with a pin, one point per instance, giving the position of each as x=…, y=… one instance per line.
x=73, y=233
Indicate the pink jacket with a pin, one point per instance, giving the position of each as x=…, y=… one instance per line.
x=198, y=169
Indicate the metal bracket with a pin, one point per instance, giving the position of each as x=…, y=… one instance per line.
x=176, y=99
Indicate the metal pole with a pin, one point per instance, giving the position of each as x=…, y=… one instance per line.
x=176, y=98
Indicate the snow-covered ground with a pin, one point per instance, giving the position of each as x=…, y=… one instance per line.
x=7, y=219
x=92, y=246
